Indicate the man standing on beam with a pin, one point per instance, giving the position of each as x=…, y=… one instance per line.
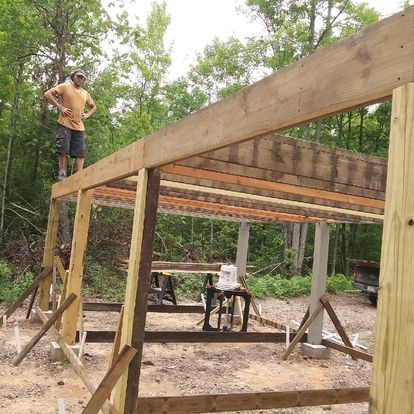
x=70, y=137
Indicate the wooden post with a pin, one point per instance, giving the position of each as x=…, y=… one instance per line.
x=319, y=272
x=74, y=284
x=242, y=248
x=393, y=374
x=138, y=282
x=49, y=252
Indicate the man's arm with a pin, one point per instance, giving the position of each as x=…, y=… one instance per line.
x=91, y=111
x=50, y=96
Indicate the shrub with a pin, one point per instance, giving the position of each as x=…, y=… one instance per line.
x=338, y=284
x=11, y=288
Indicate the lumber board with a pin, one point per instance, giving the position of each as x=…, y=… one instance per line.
x=109, y=381
x=215, y=336
x=30, y=289
x=393, y=376
x=299, y=162
x=46, y=326
x=251, y=401
x=269, y=322
x=354, y=353
x=299, y=192
x=77, y=256
x=335, y=320
x=49, y=252
x=138, y=284
x=77, y=364
x=356, y=71
x=116, y=307
x=312, y=209
x=117, y=339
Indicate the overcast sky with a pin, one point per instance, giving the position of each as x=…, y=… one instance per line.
x=194, y=24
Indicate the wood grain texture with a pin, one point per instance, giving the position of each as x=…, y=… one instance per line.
x=75, y=276
x=393, y=374
x=251, y=401
x=49, y=252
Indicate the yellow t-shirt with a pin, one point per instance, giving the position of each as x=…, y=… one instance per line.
x=75, y=99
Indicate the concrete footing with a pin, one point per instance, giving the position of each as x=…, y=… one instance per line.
x=57, y=354
x=315, y=351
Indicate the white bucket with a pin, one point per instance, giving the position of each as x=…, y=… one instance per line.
x=227, y=277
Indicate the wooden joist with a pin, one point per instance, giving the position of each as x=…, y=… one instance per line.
x=208, y=337
x=251, y=401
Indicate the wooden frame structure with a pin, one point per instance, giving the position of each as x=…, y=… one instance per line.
x=227, y=161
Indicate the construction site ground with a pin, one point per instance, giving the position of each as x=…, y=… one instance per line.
x=190, y=369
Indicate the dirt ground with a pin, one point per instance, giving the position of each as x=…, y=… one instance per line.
x=184, y=369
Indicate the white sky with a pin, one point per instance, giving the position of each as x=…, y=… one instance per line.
x=195, y=23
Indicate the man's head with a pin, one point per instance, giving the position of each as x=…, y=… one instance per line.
x=78, y=74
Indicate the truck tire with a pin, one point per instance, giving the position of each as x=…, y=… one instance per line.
x=373, y=299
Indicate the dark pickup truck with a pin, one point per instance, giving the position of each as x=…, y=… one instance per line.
x=366, y=278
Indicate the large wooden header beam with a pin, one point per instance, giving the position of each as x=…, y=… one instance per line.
x=362, y=69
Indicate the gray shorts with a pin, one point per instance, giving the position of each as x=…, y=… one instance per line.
x=69, y=141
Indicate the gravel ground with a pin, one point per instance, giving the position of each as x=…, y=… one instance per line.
x=190, y=369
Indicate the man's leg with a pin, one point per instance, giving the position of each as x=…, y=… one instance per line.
x=79, y=163
x=62, y=141
x=63, y=162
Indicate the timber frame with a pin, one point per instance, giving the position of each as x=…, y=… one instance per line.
x=228, y=161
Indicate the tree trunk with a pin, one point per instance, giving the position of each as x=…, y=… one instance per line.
x=12, y=133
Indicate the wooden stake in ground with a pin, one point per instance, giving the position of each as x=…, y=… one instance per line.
x=55, y=315
x=109, y=381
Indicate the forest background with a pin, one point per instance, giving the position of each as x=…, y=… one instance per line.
x=42, y=41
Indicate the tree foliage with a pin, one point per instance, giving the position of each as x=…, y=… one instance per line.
x=42, y=41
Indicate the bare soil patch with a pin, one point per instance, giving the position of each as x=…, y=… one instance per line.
x=190, y=369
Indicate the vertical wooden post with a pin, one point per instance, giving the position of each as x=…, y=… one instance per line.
x=393, y=373
x=49, y=252
x=139, y=276
x=242, y=248
x=319, y=272
x=75, y=276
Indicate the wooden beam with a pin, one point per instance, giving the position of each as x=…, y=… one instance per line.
x=355, y=353
x=216, y=336
x=312, y=209
x=274, y=186
x=74, y=284
x=356, y=71
x=252, y=401
x=117, y=340
x=77, y=364
x=46, y=326
x=109, y=381
x=268, y=322
x=335, y=320
x=123, y=163
x=292, y=161
x=30, y=289
x=49, y=252
x=393, y=374
x=138, y=283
